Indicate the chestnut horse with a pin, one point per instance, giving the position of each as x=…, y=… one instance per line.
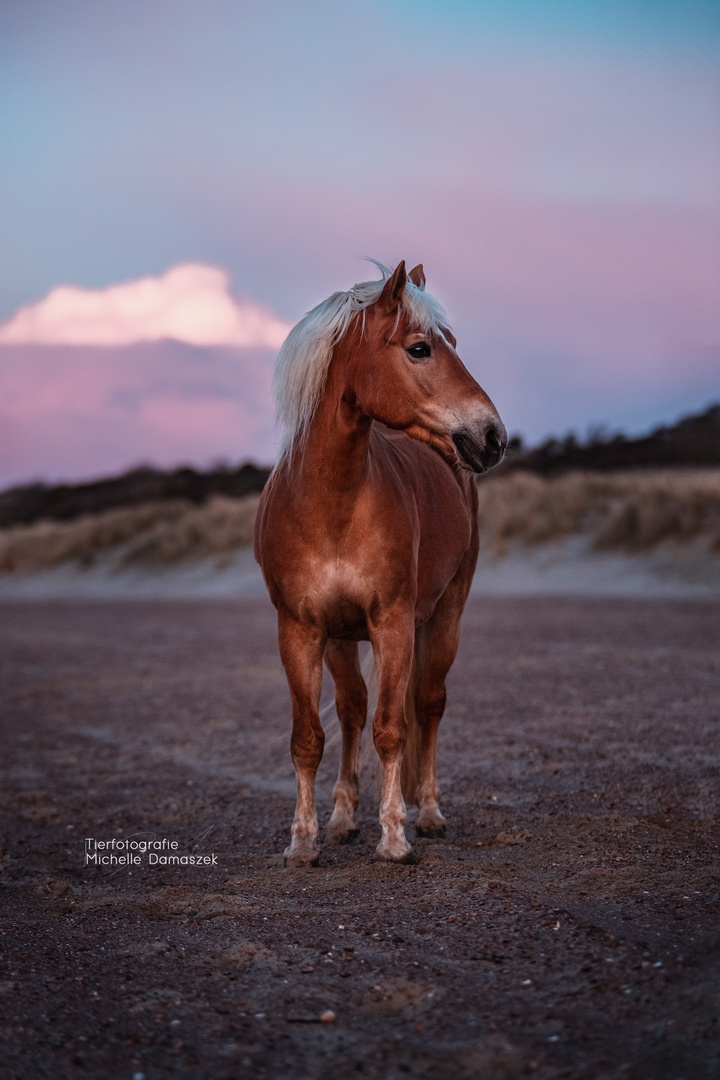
x=366, y=534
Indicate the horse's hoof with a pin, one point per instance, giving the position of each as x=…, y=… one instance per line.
x=343, y=836
x=295, y=860
x=431, y=832
x=409, y=859
x=430, y=824
x=405, y=856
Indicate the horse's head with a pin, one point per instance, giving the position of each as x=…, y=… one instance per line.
x=408, y=375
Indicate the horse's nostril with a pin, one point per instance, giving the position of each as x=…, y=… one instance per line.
x=492, y=438
x=495, y=443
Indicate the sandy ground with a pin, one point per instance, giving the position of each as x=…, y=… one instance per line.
x=569, y=567
x=566, y=927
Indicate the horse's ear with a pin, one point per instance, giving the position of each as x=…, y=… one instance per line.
x=389, y=298
x=417, y=276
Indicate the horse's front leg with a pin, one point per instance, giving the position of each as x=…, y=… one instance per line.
x=341, y=658
x=301, y=650
x=393, y=643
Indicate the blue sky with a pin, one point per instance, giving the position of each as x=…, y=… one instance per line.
x=555, y=166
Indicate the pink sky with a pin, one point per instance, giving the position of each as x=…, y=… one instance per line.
x=72, y=412
x=553, y=308
x=158, y=371
x=555, y=167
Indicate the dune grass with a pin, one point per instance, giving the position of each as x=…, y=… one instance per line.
x=629, y=511
x=154, y=532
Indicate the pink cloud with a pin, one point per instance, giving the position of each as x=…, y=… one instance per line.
x=189, y=303
x=69, y=413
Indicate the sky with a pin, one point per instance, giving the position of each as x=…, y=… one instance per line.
x=182, y=179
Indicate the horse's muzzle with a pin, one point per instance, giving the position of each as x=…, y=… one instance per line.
x=481, y=452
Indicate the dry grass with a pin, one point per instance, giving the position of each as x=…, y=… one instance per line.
x=218, y=527
x=153, y=532
x=630, y=511
x=627, y=511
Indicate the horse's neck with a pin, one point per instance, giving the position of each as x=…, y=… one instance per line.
x=334, y=457
x=336, y=447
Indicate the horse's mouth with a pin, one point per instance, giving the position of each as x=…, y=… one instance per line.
x=476, y=455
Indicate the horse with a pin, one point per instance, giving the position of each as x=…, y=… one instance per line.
x=367, y=531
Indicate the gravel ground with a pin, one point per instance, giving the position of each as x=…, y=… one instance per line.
x=566, y=927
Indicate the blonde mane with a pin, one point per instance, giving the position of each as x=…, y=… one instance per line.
x=303, y=361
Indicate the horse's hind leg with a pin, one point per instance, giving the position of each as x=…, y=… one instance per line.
x=436, y=645
x=341, y=658
x=301, y=649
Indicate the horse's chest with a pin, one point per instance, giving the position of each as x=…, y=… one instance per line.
x=333, y=579
x=382, y=550
x=332, y=591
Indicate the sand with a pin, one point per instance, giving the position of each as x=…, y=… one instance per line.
x=566, y=568
x=566, y=928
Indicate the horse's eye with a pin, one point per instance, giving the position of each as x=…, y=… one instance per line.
x=419, y=351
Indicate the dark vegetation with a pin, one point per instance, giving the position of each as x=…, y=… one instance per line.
x=64, y=502
x=694, y=441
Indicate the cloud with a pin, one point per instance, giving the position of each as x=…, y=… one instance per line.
x=68, y=413
x=189, y=303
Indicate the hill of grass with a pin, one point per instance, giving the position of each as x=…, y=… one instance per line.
x=623, y=494
x=25, y=504
x=693, y=442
